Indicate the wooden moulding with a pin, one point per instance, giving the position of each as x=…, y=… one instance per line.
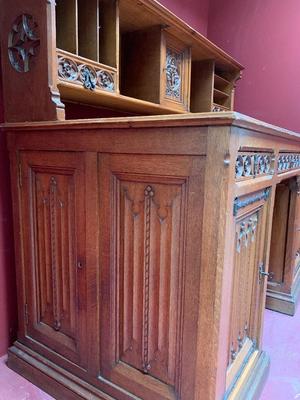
x=251, y=381
x=50, y=377
x=285, y=303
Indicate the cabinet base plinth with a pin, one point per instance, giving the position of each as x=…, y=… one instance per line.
x=251, y=382
x=285, y=303
x=49, y=377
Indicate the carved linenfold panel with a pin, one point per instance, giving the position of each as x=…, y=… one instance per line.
x=92, y=77
x=174, y=62
x=253, y=164
x=23, y=42
x=55, y=252
x=288, y=161
x=247, y=242
x=150, y=223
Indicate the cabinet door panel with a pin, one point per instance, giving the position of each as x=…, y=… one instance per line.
x=54, y=238
x=145, y=272
x=248, y=284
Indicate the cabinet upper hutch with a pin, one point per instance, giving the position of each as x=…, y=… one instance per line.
x=132, y=56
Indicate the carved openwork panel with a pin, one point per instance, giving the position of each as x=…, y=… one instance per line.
x=150, y=287
x=23, y=42
x=253, y=164
x=90, y=76
x=287, y=161
x=245, y=274
x=55, y=284
x=174, y=67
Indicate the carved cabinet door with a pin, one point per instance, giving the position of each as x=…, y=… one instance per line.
x=53, y=215
x=248, y=292
x=150, y=254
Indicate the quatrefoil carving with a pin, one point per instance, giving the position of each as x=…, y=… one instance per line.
x=23, y=42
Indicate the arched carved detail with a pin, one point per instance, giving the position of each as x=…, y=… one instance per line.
x=23, y=42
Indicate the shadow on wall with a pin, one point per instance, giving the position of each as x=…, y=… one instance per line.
x=8, y=292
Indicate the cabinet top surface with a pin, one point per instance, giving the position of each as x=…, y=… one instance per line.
x=184, y=120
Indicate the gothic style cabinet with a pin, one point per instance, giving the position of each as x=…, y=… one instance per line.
x=284, y=280
x=142, y=250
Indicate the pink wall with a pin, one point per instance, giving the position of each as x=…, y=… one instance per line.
x=264, y=37
x=8, y=313
x=193, y=12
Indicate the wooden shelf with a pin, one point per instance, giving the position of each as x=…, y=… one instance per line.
x=76, y=93
x=218, y=94
x=220, y=79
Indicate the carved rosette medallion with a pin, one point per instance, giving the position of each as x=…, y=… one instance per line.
x=88, y=76
x=23, y=42
x=106, y=80
x=67, y=69
x=173, y=74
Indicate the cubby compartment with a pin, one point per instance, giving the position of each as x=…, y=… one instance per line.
x=155, y=67
x=66, y=25
x=223, y=90
x=141, y=64
x=211, y=87
x=202, y=85
x=89, y=31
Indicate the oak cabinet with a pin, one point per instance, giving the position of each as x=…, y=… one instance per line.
x=142, y=250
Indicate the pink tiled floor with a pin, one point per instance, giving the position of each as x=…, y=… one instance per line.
x=281, y=341
x=14, y=387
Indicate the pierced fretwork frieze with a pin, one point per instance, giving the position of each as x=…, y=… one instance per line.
x=217, y=108
x=90, y=76
x=250, y=165
x=288, y=161
x=23, y=42
x=174, y=61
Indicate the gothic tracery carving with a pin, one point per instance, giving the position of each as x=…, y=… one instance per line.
x=173, y=74
x=89, y=76
x=23, y=42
